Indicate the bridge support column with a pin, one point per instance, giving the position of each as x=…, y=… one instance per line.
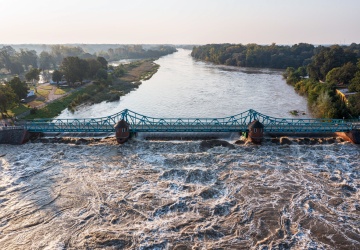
x=122, y=131
x=256, y=132
x=353, y=136
x=13, y=136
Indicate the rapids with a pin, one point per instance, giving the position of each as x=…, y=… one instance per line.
x=178, y=195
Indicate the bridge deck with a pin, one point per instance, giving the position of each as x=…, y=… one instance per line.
x=236, y=123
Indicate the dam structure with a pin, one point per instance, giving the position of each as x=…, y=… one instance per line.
x=236, y=123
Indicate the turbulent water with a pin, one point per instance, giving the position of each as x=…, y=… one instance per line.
x=180, y=195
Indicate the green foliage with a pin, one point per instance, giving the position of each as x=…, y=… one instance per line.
x=253, y=55
x=8, y=98
x=327, y=58
x=20, y=88
x=28, y=58
x=341, y=75
x=46, y=61
x=33, y=74
x=136, y=52
x=56, y=76
x=355, y=82
x=74, y=69
x=94, y=66
x=102, y=61
x=102, y=74
x=119, y=71
x=354, y=105
x=293, y=76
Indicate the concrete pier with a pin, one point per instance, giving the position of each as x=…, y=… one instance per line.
x=352, y=136
x=13, y=135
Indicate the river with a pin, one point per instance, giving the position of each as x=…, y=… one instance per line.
x=71, y=193
x=184, y=87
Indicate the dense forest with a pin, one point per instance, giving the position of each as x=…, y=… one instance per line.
x=314, y=71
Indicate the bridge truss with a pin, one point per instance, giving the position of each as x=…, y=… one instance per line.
x=236, y=123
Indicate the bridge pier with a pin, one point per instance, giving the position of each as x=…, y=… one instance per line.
x=256, y=132
x=122, y=131
x=13, y=135
x=352, y=136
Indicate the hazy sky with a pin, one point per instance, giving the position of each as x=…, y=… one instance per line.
x=180, y=21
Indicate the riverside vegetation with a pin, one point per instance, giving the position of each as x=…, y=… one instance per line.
x=314, y=71
x=73, y=65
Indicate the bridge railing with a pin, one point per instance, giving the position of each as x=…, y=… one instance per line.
x=142, y=123
x=11, y=127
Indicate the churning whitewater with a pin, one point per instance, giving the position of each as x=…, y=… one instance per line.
x=180, y=195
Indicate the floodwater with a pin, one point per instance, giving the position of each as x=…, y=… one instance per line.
x=153, y=194
x=184, y=87
x=180, y=195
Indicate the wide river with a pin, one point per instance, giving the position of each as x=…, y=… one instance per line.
x=71, y=193
x=184, y=87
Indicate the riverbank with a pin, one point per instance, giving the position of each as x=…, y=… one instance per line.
x=95, y=92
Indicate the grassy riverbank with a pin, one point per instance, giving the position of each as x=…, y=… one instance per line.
x=99, y=91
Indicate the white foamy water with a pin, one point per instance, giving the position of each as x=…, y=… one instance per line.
x=179, y=195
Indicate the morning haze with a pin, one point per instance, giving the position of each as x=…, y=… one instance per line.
x=179, y=22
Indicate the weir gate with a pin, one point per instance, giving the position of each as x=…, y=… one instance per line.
x=235, y=123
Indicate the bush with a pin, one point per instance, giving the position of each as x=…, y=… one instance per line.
x=33, y=111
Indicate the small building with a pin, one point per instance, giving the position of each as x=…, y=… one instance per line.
x=256, y=131
x=344, y=94
x=122, y=131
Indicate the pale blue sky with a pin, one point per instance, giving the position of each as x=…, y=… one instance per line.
x=180, y=21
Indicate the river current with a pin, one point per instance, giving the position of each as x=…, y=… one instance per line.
x=180, y=195
x=184, y=87
x=287, y=193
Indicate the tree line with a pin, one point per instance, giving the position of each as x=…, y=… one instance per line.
x=254, y=55
x=18, y=62
x=314, y=71
x=136, y=52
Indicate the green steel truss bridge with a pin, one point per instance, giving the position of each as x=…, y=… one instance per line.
x=236, y=123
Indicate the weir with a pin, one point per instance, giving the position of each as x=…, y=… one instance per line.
x=127, y=122
x=236, y=123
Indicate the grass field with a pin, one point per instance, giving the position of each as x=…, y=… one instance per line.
x=59, y=91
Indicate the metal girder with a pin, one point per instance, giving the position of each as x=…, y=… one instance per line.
x=235, y=123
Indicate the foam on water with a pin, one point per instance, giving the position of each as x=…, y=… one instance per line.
x=176, y=194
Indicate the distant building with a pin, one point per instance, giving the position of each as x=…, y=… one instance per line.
x=344, y=94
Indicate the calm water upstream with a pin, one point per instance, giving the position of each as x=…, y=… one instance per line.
x=184, y=87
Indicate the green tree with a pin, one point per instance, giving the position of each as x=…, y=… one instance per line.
x=354, y=105
x=102, y=74
x=32, y=76
x=56, y=76
x=355, y=82
x=74, y=69
x=16, y=68
x=20, y=88
x=8, y=99
x=324, y=107
x=28, y=58
x=119, y=71
x=6, y=56
x=94, y=66
x=103, y=62
x=46, y=61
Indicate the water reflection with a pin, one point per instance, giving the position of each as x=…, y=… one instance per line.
x=184, y=87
